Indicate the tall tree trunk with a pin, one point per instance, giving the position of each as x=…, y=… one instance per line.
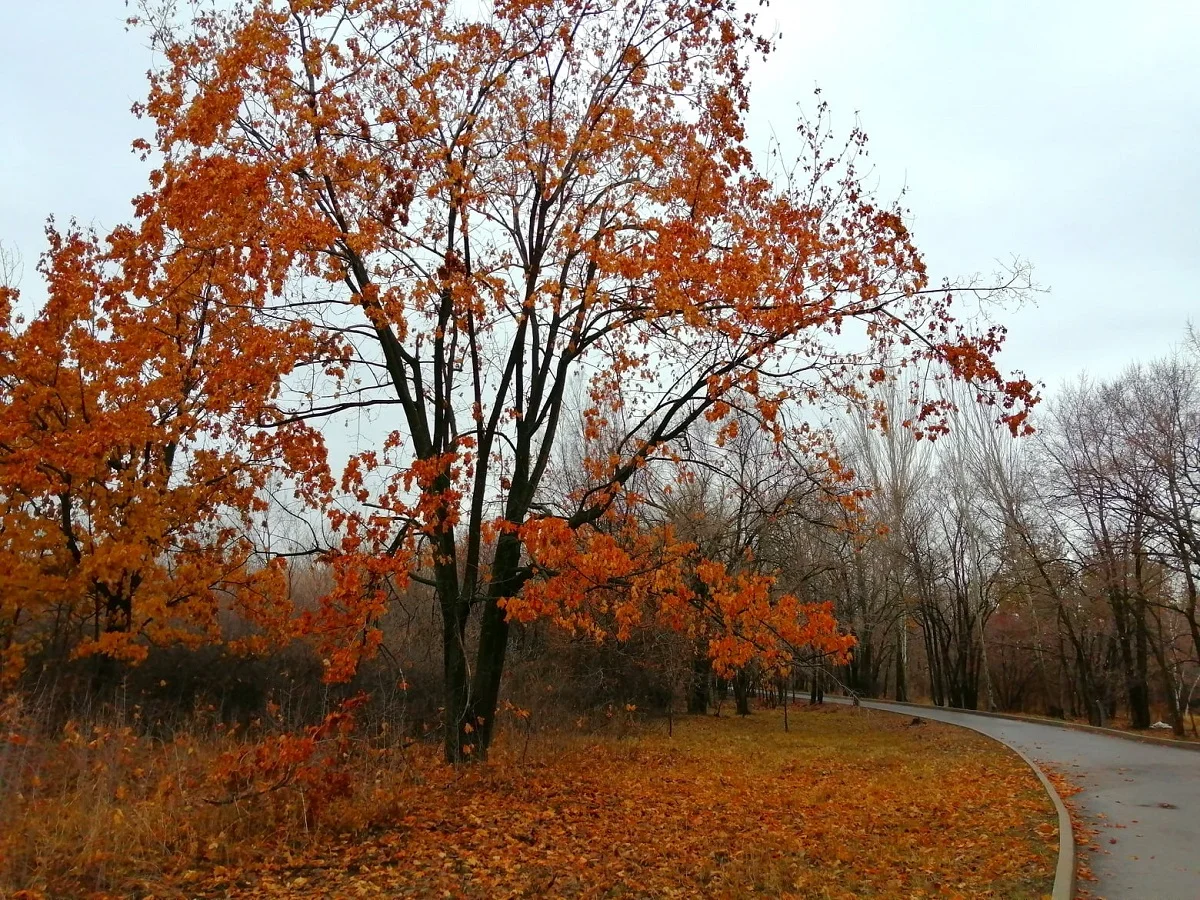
x=489, y=671
x=1130, y=627
x=1139, y=700
x=1170, y=688
x=984, y=665
x=454, y=675
x=817, y=694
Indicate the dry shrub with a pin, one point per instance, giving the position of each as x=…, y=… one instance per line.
x=86, y=803
x=91, y=806
x=199, y=756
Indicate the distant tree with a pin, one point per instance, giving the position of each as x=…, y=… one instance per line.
x=745, y=501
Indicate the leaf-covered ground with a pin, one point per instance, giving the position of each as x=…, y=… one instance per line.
x=849, y=803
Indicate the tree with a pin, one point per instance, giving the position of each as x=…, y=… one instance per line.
x=747, y=505
x=538, y=194
x=1126, y=449
x=879, y=587
x=1159, y=408
x=126, y=511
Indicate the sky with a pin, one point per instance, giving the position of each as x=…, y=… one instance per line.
x=1062, y=133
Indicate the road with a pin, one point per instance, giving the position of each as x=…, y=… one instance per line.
x=1142, y=799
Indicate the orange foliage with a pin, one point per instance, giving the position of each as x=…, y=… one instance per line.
x=128, y=483
x=312, y=763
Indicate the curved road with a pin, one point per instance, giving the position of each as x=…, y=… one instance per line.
x=1142, y=799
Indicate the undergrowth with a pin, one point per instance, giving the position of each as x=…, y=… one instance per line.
x=847, y=803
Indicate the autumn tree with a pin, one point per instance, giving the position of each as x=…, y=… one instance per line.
x=739, y=498
x=471, y=210
x=1158, y=415
x=1054, y=570
x=876, y=588
x=127, y=499
x=1123, y=453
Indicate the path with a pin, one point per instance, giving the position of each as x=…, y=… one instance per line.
x=1143, y=800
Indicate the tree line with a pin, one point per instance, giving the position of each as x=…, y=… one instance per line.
x=1056, y=574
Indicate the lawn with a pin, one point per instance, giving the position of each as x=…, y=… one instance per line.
x=848, y=803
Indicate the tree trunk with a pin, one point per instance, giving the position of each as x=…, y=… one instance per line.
x=454, y=674
x=493, y=643
x=489, y=670
x=1131, y=627
x=817, y=694
x=1092, y=701
x=1139, y=705
x=701, y=686
x=1170, y=689
x=741, y=692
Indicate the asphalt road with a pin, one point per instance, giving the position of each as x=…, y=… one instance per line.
x=1142, y=799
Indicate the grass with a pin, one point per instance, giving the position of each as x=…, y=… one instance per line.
x=848, y=803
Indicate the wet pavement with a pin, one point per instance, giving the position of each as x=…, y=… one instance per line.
x=1143, y=800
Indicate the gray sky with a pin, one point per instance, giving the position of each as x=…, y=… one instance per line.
x=1061, y=132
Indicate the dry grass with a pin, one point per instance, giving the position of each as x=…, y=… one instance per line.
x=79, y=812
x=850, y=803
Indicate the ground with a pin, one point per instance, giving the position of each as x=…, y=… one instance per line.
x=847, y=803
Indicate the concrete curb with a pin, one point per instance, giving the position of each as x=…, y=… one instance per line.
x=1064, y=870
x=1194, y=746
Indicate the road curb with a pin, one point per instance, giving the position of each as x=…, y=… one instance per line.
x=1194, y=746
x=1064, y=870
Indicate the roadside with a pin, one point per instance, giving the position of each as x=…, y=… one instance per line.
x=1160, y=737
x=1142, y=798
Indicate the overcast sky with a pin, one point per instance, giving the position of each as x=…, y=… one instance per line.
x=1065, y=133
